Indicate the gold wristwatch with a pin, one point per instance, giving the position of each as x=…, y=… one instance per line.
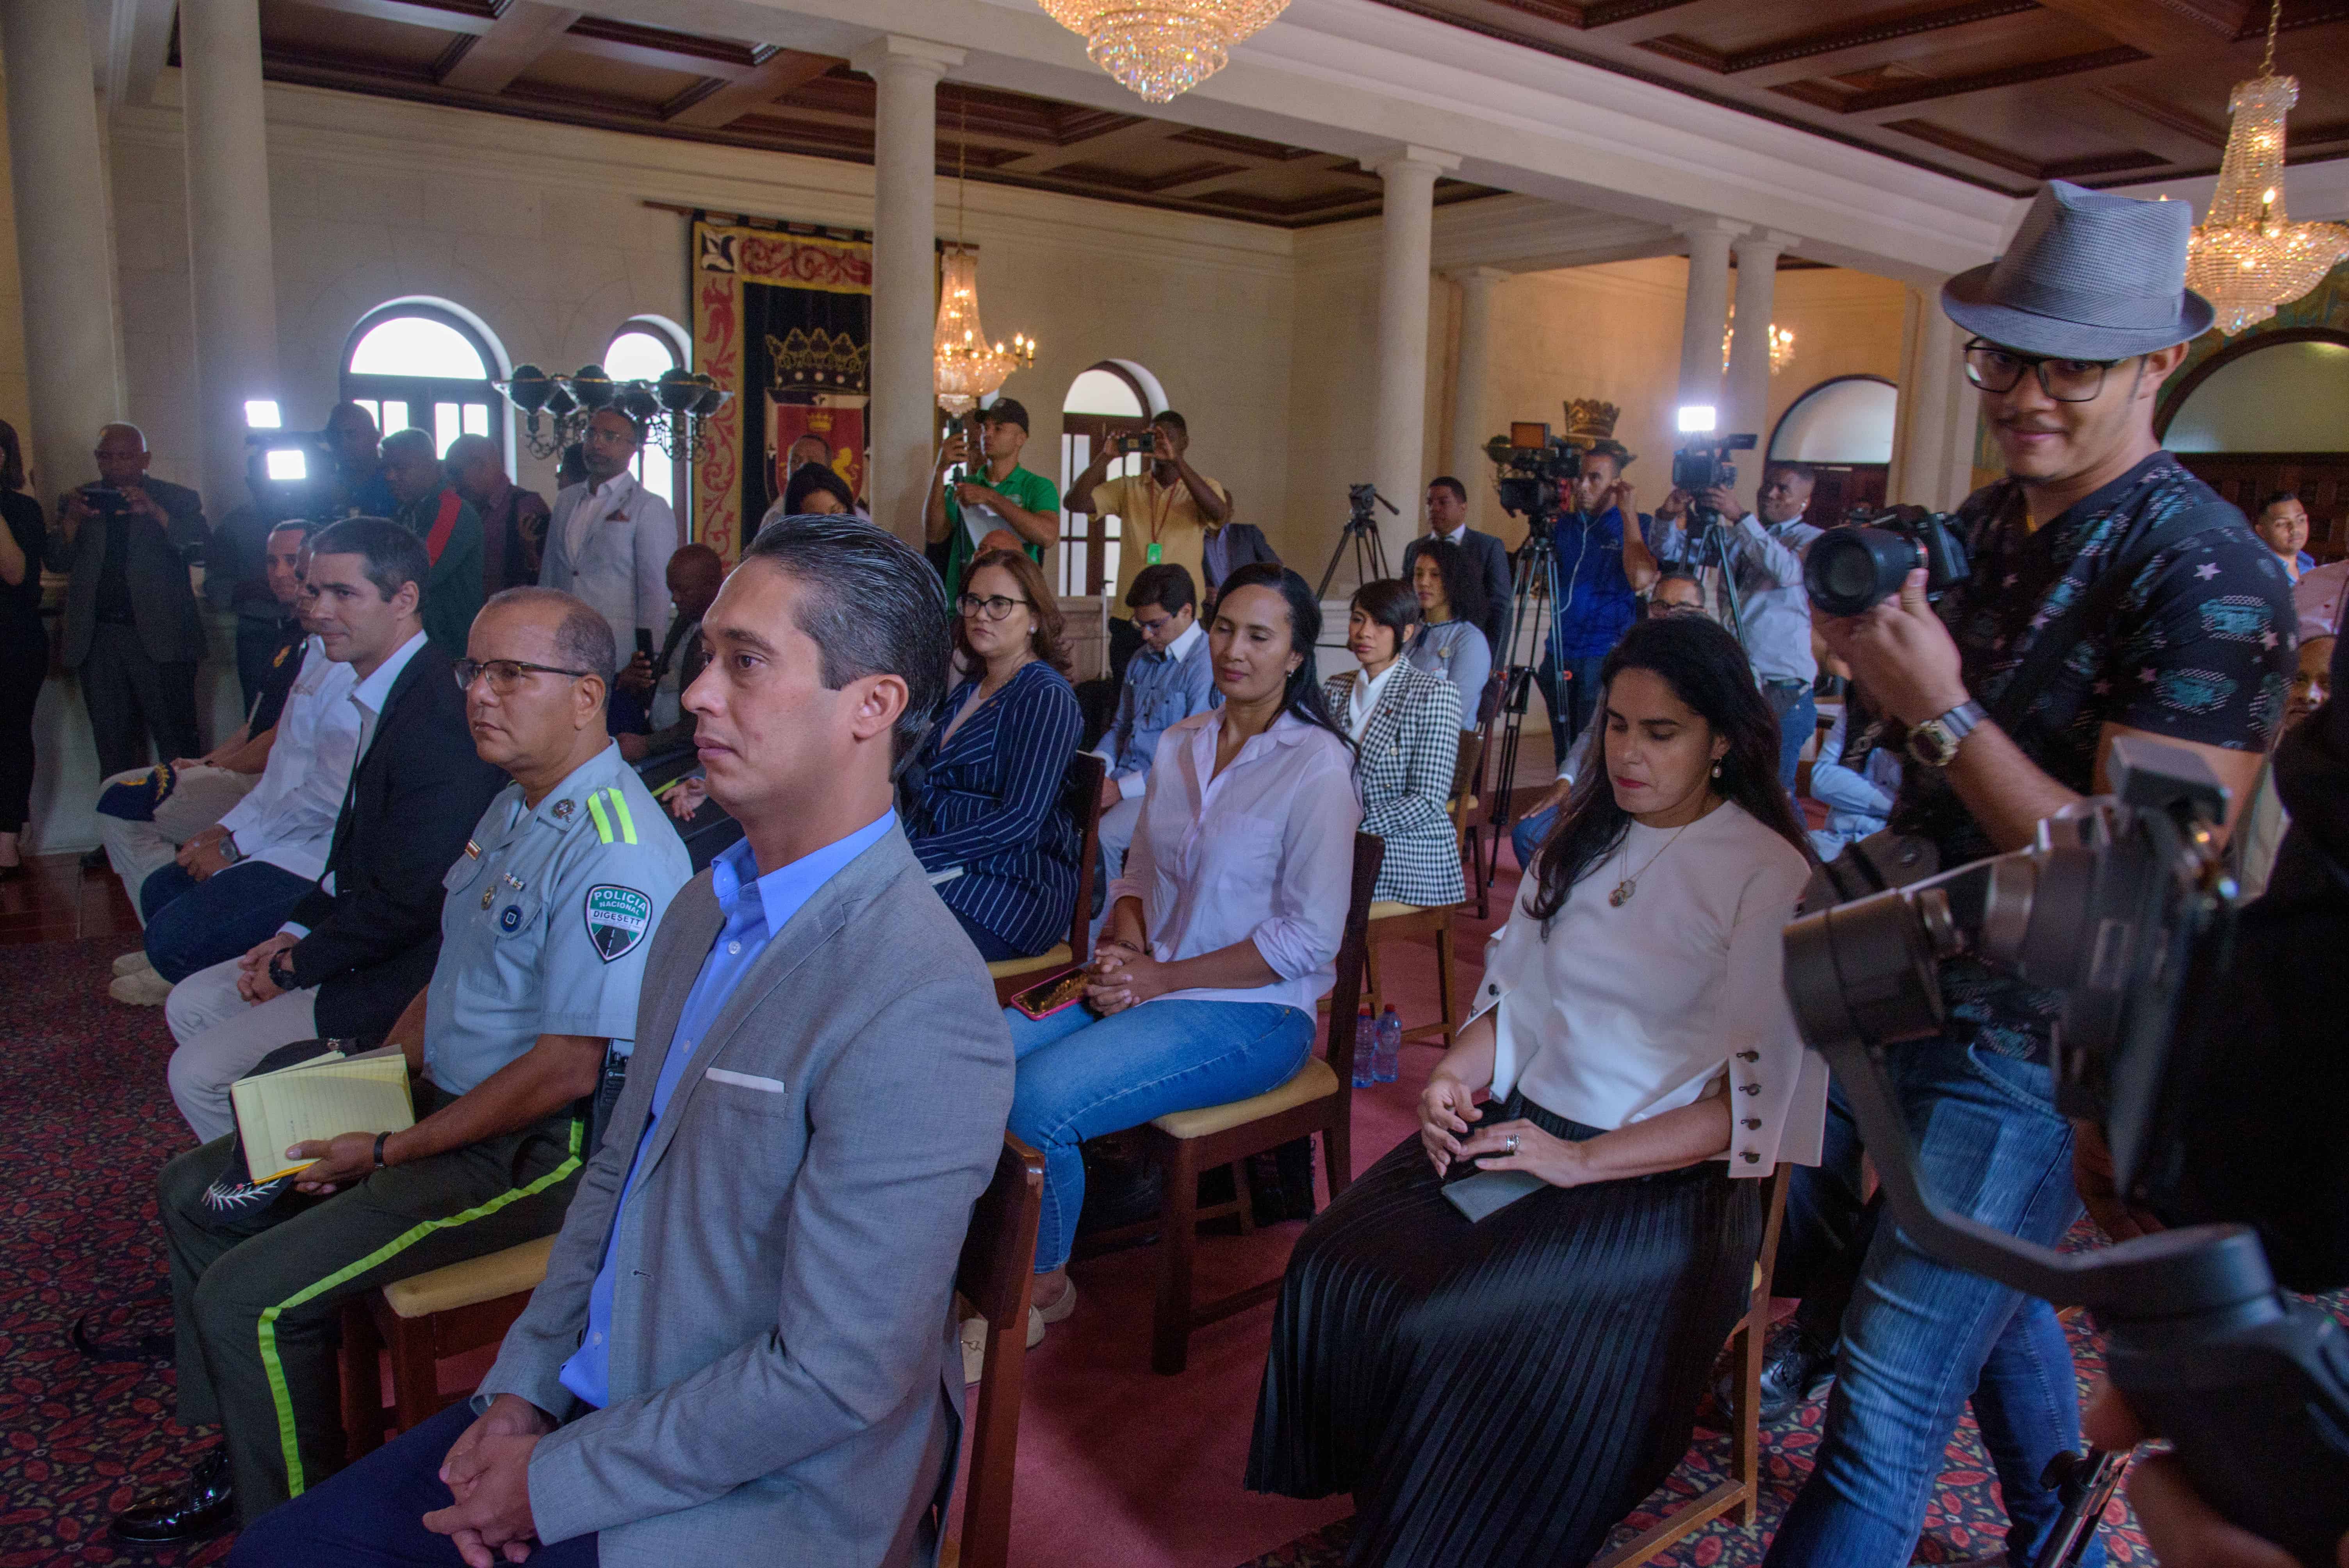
x=1935, y=742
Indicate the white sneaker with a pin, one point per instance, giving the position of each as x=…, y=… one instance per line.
x=133, y=962
x=144, y=989
x=974, y=1343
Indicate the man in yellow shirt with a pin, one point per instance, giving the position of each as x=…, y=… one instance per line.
x=1168, y=509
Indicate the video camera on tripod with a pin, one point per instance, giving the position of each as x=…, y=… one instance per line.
x=2125, y=905
x=1536, y=471
x=1701, y=465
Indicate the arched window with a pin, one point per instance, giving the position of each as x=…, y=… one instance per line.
x=1842, y=431
x=644, y=349
x=424, y=364
x=1106, y=400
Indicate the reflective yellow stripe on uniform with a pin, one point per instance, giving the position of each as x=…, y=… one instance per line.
x=602, y=822
x=287, y=1438
x=620, y=812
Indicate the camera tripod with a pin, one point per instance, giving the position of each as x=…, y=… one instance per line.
x=1709, y=537
x=1532, y=601
x=1361, y=532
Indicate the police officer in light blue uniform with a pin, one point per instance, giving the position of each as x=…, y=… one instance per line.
x=545, y=921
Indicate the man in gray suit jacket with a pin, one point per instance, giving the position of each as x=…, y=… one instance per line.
x=133, y=630
x=744, y=1349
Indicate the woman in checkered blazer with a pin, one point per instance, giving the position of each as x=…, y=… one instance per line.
x=1406, y=728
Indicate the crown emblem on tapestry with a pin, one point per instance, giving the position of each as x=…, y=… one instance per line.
x=803, y=358
x=1589, y=421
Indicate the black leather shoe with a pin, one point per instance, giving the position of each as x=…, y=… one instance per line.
x=1795, y=1369
x=196, y=1509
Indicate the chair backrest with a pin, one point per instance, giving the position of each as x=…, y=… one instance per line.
x=1083, y=792
x=998, y=1251
x=1465, y=768
x=1353, y=952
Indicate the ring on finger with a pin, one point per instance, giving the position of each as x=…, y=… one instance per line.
x=1510, y=1147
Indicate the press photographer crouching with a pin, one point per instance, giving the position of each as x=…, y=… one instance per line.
x=2110, y=595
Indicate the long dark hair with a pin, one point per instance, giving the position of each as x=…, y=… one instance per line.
x=1708, y=671
x=1463, y=586
x=1302, y=696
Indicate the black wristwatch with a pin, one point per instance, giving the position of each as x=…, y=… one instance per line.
x=229, y=853
x=281, y=970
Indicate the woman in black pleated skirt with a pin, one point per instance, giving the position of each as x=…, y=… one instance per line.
x=1504, y=1390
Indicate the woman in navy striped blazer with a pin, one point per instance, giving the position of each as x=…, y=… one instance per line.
x=984, y=806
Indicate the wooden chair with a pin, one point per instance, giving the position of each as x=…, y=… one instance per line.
x=1391, y=920
x=1742, y=1490
x=465, y=1307
x=997, y=1274
x=1082, y=793
x=1319, y=1099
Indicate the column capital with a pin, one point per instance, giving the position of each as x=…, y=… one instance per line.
x=891, y=50
x=1407, y=155
x=1479, y=277
x=1770, y=240
x=1711, y=227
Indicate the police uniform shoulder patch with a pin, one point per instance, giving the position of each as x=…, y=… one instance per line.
x=617, y=919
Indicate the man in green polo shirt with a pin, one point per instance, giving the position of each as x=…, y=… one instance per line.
x=998, y=495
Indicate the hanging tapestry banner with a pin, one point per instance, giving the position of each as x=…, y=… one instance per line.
x=784, y=322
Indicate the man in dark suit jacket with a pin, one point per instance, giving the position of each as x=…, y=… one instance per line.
x=362, y=941
x=1447, y=519
x=132, y=631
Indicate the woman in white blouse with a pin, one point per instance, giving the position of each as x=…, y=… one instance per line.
x=1504, y=1390
x=1223, y=931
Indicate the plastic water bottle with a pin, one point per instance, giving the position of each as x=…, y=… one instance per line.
x=1366, y=1044
x=1386, y=1061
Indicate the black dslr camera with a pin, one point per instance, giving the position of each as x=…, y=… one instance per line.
x=2126, y=905
x=1849, y=571
x=1701, y=465
x=1535, y=468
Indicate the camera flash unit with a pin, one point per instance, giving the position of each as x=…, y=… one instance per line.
x=261, y=414
x=287, y=466
x=1697, y=419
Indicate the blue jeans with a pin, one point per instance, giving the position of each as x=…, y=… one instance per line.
x=1526, y=837
x=1080, y=1077
x=372, y=1514
x=193, y=925
x=1921, y=1337
x=1798, y=719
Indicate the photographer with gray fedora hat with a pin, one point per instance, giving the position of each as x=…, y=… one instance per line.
x=2110, y=593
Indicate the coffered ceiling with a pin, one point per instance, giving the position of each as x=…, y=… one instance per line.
x=553, y=63
x=2004, y=93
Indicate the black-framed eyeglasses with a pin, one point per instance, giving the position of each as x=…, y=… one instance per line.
x=995, y=608
x=505, y=674
x=1996, y=369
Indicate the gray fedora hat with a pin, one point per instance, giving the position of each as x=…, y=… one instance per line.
x=2089, y=277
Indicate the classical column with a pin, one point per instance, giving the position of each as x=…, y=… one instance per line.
x=904, y=411
x=1405, y=227
x=1933, y=448
x=1707, y=312
x=1746, y=405
x=1471, y=367
x=73, y=346
x=232, y=275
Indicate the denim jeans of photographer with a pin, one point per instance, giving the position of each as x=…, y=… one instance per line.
x=1573, y=701
x=1797, y=713
x=1921, y=1339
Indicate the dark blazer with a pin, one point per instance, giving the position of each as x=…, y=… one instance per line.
x=163, y=606
x=416, y=794
x=1244, y=545
x=1491, y=558
x=989, y=801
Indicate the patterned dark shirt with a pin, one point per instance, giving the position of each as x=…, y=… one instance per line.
x=2200, y=649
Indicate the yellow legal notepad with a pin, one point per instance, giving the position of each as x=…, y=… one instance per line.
x=318, y=1099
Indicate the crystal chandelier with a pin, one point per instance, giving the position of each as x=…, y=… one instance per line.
x=1162, y=47
x=2246, y=257
x=1782, y=343
x=672, y=412
x=968, y=370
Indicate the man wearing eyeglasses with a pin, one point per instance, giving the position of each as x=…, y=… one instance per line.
x=2111, y=593
x=546, y=919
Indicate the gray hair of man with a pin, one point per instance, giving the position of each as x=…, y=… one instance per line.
x=583, y=638
x=401, y=440
x=878, y=609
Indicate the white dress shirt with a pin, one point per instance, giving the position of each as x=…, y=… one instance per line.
x=288, y=819
x=1622, y=1013
x=610, y=546
x=1364, y=700
x=1262, y=851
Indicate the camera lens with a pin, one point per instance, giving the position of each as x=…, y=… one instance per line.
x=1849, y=571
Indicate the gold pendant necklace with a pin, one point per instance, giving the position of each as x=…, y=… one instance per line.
x=1631, y=883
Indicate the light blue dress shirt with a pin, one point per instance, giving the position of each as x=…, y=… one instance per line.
x=1161, y=691
x=750, y=924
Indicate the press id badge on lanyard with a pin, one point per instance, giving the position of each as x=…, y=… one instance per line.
x=1155, y=554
